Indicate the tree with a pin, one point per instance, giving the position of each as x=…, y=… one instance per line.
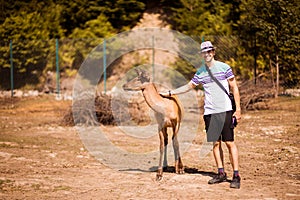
x=29, y=33
x=201, y=17
x=275, y=26
x=122, y=14
x=85, y=39
x=76, y=13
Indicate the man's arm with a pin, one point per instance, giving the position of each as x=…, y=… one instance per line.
x=180, y=90
x=235, y=90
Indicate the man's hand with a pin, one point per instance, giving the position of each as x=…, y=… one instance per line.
x=235, y=90
x=165, y=93
x=238, y=115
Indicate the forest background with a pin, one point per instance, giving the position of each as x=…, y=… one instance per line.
x=266, y=34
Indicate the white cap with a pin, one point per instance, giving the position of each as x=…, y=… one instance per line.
x=206, y=46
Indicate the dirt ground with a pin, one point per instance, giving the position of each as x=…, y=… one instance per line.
x=42, y=159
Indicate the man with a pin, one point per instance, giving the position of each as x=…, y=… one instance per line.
x=217, y=109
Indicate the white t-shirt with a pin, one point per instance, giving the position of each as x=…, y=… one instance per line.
x=216, y=100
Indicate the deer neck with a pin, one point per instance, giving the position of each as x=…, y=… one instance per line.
x=152, y=97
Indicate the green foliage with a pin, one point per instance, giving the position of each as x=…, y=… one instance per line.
x=264, y=29
x=122, y=14
x=76, y=13
x=86, y=38
x=29, y=34
x=95, y=28
x=271, y=28
x=201, y=17
x=29, y=53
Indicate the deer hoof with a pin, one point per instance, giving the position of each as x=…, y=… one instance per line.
x=159, y=174
x=158, y=177
x=179, y=171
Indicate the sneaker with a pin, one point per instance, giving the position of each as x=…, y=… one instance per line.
x=236, y=182
x=219, y=178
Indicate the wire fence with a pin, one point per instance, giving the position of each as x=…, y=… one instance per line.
x=29, y=64
x=41, y=64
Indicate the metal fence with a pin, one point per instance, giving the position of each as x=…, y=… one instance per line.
x=28, y=64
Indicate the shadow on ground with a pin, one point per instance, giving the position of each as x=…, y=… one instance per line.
x=171, y=169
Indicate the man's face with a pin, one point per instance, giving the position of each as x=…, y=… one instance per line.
x=208, y=55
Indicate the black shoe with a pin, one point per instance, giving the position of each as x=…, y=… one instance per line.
x=219, y=178
x=236, y=182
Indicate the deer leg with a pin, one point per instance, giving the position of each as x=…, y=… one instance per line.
x=161, y=156
x=165, y=133
x=179, y=168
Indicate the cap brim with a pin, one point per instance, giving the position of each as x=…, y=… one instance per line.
x=207, y=49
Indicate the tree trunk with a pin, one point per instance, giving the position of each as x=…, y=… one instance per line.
x=277, y=76
x=255, y=60
x=272, y=75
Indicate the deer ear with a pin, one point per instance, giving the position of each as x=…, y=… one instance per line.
x=145, y=75
x=138, y=71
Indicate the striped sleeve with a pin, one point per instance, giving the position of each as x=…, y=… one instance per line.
x=229, y=73
x=196, y=80
x=198, y=77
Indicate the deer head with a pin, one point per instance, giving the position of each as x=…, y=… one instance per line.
x=139, y=82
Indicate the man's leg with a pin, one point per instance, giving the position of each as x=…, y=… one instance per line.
x=233, y=155
x=218, y=154
x=219, y=158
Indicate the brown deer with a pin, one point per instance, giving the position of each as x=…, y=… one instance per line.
x=168, y=113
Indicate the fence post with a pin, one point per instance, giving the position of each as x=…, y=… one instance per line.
x=57, y=69
x=153, y=59
x=104, y=65
x=11, y=69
